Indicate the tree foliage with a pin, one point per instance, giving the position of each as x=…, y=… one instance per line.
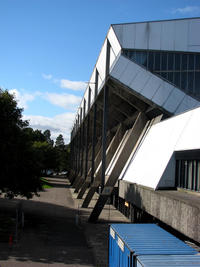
x=60, y=143
x=63, y=153
x=25, y=153
x=19, y=173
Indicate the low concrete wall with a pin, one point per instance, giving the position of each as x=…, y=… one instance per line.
x=180, y=210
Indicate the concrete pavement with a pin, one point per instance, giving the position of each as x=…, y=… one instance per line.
x=50, y=236
x=56, y=232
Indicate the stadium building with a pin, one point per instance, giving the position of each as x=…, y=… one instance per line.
x=136, y=136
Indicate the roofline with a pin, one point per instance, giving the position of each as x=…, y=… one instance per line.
x=149, y=21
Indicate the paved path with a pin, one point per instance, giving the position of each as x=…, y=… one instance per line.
x=50, y=236
x=97, y=233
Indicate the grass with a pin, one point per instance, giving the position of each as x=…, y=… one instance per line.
x=45, y=183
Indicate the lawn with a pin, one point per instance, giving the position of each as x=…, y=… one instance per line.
x=45, y=183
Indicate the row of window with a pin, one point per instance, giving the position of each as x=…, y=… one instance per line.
x=181, y=69
x=188, y=174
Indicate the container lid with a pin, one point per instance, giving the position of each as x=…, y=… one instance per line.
x=169, y=260
x=150, y=239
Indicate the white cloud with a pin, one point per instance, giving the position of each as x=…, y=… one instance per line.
x=67, y=101
x=47, y=76
x=66, y=84
x=22, y=98
x=186, y=10
x=59, y=124
x=73, y=85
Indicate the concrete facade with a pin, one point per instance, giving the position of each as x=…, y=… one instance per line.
x=177, y=209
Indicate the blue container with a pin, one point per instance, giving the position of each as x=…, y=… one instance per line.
x=127, y=241
x=168, y=260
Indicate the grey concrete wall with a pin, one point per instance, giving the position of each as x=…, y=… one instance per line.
x=180, y=210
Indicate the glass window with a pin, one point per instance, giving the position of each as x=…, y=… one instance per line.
x=151, y=61
x=189, y=181
x=184, y=80
x=164, y=75
x=177, y=76
x=197, y=62
x=171, y=76
x=138, y=57
x=193, y=174
x=198, y=177
x=191, y=62
x=197, y=82
x=190, y=81
x=170, y=61
x=125, y=53
x=184, y=62
x=164, y=61
x=143, y=59
x=177, y=62
x=157, y=62
x=181, y=69
x=186, y=174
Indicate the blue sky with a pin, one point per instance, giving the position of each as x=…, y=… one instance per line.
x=48, y=49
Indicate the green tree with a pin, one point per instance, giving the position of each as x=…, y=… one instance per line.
x=47, y=135
x=60, y=143
x=63, y=153
x=20, y=171
x=34, y=135
x=47, y=156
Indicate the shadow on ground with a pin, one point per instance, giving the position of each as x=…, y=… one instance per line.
x=50, y=234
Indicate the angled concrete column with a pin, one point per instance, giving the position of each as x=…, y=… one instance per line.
x=85, y=162
x=104, y=135
x=89, y=178
x=109, y=154
x=89, y=175
x=132, y=141
x=82, y=180
x=80, y=164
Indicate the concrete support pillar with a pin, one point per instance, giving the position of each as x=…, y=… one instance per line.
x=132, y=142
x=113, y=145
x=85, y=162
x=104, y=134
x=96, y=162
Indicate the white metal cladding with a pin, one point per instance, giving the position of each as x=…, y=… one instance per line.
x=112, y=57
x=174, y=35
x=142, y=35
x=155, y=36
x=99, y=83
x=129, y=35
x=151, y=86
x=174, y=100
x=114, y=41
x=161, y=96
x=187, y=103
x=150, y=165
x=92, y=85
x=181, y=35
x=167, y=30
x=86, y=100
x=190, y=137
x=194, y=38
x=100, y=66
x=101, y=63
